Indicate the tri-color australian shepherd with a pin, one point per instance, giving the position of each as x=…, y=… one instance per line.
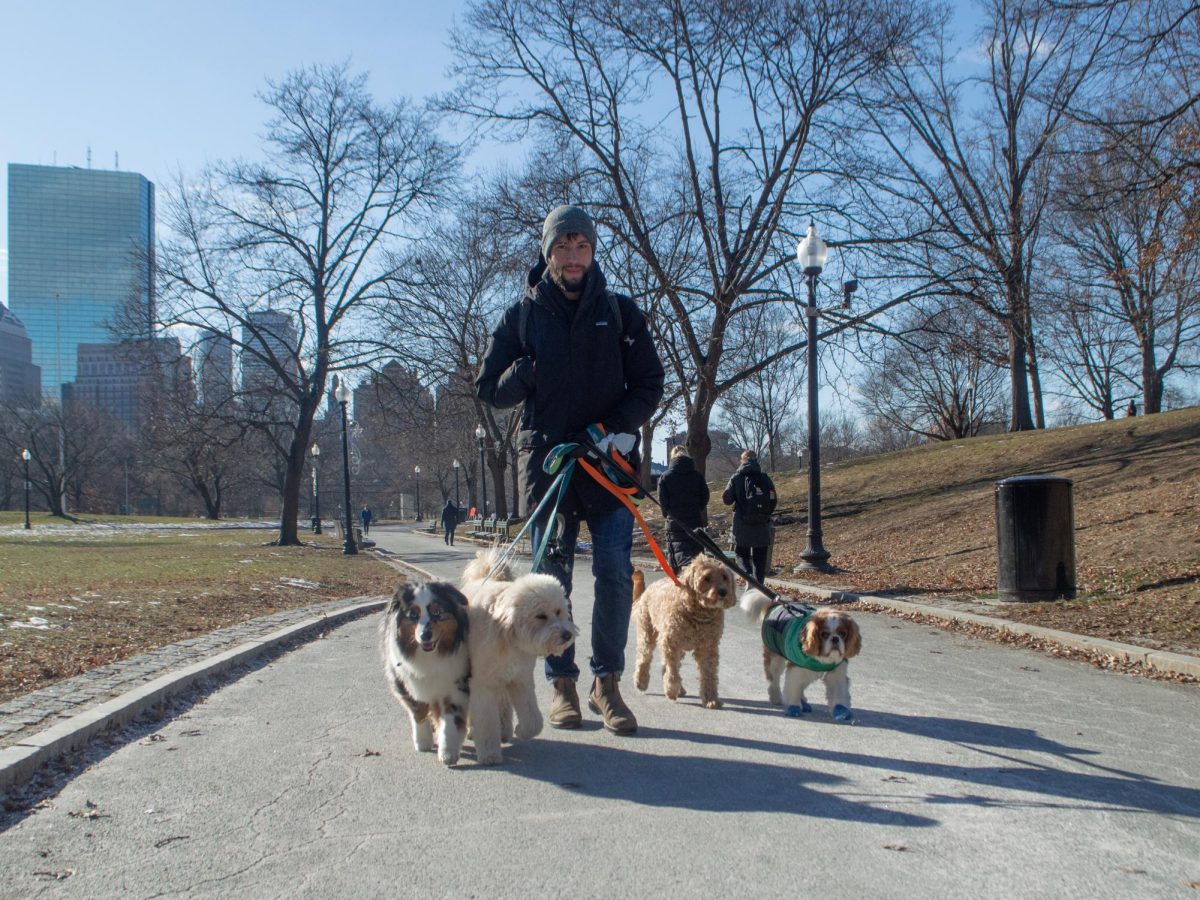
x=423, y=642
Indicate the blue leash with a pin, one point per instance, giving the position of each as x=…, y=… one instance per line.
x=561, y=480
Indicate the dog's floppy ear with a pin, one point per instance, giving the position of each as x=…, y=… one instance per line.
x=811, y=645
x=402, y=596
x=852, y=637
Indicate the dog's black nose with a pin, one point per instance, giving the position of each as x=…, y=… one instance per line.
x=721, y=592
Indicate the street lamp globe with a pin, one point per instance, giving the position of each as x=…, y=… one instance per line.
x=26, y=455
x=479, y=432
x=812, y=252
x=341, y=393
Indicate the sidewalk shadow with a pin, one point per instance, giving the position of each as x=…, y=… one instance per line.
x=1107, y=787
x=710, y=784
x=699, y=783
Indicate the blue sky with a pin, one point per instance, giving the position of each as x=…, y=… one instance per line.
x=170, y=85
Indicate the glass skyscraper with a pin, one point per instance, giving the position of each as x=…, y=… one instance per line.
x=80, y=248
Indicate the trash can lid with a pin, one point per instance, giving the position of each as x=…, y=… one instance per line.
x=1034, y=479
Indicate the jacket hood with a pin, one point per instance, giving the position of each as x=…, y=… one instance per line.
x=682, y=464
x=535, y=275
x=750, y=465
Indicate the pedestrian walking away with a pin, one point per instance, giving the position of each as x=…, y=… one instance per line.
x=449, y=522
x=581, y=360
x=751, y=493
x=366, y=517
x=683, y=496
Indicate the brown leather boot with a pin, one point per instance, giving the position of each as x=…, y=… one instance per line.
x=564, y=708
x=605, y=700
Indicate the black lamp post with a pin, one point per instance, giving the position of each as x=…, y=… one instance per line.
x=457, y=501
x=417, y=473
x=480, y=434
x=811, y=254
x=342, y=394
x=25, y=455
x=315, y=451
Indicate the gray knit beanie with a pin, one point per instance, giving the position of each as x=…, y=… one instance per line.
x=565, y=220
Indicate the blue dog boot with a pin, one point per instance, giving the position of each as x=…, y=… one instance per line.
x=842, y=714
x=797, y=711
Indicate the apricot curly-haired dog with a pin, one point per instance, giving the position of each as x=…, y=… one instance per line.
x=681, y=618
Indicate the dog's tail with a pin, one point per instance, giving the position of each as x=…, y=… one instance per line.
x=755, y=603
x=639, y=584
x=478, y=568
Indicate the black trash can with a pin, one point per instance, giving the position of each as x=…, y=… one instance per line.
x=1035, y=538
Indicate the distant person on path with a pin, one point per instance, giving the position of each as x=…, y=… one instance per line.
x=752, y=494
x=582, y=361
x=449, y=522
x=1131, y=410
x=366, y=517
x=683, y=495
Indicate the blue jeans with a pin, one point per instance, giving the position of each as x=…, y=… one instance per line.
x=612, y=545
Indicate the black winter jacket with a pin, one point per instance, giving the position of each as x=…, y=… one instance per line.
x=683, y=495
x=744, y=533
x=576, y=368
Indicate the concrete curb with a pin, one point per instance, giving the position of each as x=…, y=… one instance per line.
x=19, y=762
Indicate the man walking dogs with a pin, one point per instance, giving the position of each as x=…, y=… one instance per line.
x=576, y=355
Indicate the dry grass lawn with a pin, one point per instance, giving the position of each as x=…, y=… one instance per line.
x=72, y=599
x=922, y=523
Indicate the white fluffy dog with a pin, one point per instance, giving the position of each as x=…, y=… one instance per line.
x=512, y=623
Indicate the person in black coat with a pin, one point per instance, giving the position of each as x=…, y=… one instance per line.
x=449, y=522
x=579, y=358
x=683, y=495
x=751, y=528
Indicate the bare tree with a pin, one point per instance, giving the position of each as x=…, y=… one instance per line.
x=763, y=410
x=970, y=162
x=447, y=294
x=697, y=120
x=939, y=380
x=68, y=446
x=305, y=233
x=1131, y=246
x=1088, y=353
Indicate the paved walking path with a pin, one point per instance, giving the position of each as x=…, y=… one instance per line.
x=973, y=769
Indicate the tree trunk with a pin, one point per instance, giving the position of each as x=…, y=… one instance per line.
x=1021, y=419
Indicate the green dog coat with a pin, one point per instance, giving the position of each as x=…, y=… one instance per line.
x=783, y=633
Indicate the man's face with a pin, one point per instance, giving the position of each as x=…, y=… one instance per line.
x=570, y=257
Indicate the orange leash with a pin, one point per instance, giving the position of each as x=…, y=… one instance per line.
x=623, y=495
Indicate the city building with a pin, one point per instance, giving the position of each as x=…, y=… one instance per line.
x=270, y=343
x=214, y=359
x=80, y=252
x=269, y=340
x=20, y=379
x=120, y=380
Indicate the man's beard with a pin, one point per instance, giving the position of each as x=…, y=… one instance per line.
x=570, y=286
